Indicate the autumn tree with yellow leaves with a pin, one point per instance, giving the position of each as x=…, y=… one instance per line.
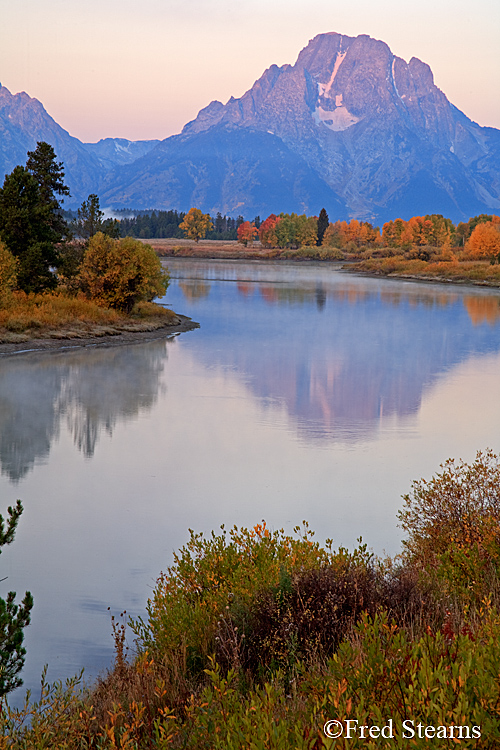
x=196, y=224
x=119, y=273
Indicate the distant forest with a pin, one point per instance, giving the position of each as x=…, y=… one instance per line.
x=159, y=224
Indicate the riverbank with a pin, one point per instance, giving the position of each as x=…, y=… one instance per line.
x=464, y=272
x=474, y=273
x=211, y=249
x=99, y=336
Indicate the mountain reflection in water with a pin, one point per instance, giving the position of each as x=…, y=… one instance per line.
x=340, y=352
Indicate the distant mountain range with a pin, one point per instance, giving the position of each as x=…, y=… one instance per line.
x=350, y=127
x=24, y=121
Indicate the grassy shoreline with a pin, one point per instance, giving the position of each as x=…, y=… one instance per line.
x=50, y=320
x=475, y=273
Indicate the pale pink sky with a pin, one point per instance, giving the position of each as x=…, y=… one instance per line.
x=141, y=70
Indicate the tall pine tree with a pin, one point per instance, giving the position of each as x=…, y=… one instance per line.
x=25, y=231
x=49, y=175
x=31, y=223
x=323, y=222
x=91, y=220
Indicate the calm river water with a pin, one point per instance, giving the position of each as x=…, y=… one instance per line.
x=307, y=393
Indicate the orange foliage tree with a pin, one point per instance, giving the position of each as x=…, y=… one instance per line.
x=340, y=233
x=392, y=232
x=419, y=231
x=484, y=241
x=267, y=231
x=247, y=233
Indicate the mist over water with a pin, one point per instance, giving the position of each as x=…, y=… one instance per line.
x=307, y=393
x=88, y=392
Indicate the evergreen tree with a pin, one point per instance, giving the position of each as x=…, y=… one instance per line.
x=49, y=175
x=31, y=221
x=323, y=222
x=26, y=229
x=13, y=617
x=19, y=211
x=91, y=220
x=219, y=223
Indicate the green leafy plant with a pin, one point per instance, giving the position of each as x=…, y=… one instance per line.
x=210, y=574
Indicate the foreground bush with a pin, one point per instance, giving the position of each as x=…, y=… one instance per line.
x=444, y=679
x=453, y=527
x=219, y=575
x=119, y=273
x=255, y=639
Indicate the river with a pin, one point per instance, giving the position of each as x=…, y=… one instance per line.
x=306, y=393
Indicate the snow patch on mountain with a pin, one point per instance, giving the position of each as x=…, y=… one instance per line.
x=337, y=120
x=324, y=88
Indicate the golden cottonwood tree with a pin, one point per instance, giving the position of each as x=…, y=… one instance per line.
x=196, y=224
x=9, y=266
x=119, y=273
x=307, y=230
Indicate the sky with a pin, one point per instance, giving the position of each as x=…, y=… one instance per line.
x=141, y=70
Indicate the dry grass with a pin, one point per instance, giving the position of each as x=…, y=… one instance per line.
x=477, y=272
x=51, y=315
x=220, y=249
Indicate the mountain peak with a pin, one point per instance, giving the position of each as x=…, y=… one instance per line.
x=349, y=126
x=374, y=127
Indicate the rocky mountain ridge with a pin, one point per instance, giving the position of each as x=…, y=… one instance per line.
x=24, y=121
x=376, y=129
x=349, y=126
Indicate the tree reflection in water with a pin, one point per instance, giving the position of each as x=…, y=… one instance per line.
x=92, y=388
